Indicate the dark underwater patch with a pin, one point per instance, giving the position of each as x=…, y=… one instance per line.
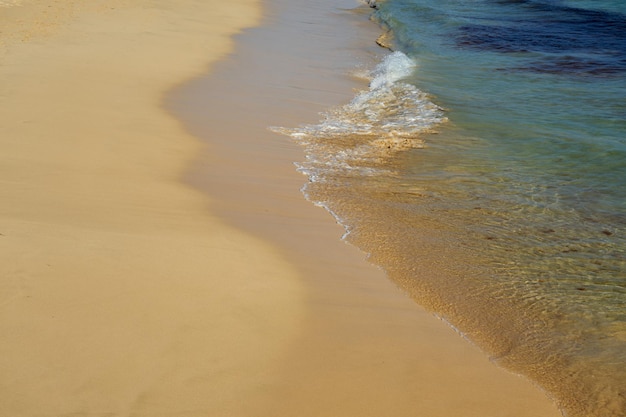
x=569, y=40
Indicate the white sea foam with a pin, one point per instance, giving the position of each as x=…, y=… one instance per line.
x=391, y=115
x=392, y=69
x=391, y=107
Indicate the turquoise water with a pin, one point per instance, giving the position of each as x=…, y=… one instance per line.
x=485, y=170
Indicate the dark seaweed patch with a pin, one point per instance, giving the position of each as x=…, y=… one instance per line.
x=569, y=40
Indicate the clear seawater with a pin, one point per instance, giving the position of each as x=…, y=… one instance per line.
x=485, y=170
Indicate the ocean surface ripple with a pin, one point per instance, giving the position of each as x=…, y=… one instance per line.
x=485, y=170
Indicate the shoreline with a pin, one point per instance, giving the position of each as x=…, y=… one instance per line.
x=124, y=294
x=362, y=336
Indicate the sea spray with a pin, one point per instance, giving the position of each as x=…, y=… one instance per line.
x=391, y=115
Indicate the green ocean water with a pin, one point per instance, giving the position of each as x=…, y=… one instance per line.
x=485, y=170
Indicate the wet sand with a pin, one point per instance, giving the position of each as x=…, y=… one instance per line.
x=365, y=349
x=146, y=272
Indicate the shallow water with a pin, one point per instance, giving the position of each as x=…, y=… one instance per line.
x=485, y=170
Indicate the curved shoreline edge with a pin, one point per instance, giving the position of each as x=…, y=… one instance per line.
x=364, y=347
x=121, y=293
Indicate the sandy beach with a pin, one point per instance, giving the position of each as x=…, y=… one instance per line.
x=135, y=280
x=120, y=294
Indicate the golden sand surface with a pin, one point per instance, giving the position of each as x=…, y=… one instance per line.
x=121, y=294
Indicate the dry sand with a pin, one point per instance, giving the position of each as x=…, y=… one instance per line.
x=120, y=293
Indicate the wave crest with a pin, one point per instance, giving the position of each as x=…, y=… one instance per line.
x=388, y=117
